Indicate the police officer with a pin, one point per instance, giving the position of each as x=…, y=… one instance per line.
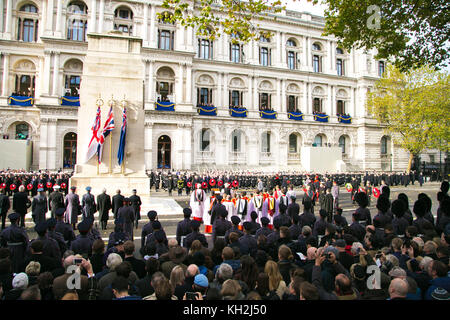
x=16, y=240
x=235, y=220
x=53, y=234
x=50, y=246
x=248, y=242
x=148, y=228
x=126, y=213
x=264, y=230
x=55, y=200
x=39, y=207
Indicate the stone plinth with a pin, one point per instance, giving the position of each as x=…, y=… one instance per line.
x=114, y=69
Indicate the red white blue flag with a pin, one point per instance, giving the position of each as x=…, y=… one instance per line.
x=123, y=135
x=93, y=143
x=107, y=128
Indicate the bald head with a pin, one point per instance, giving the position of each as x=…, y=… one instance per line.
x=398, y=288
x=192, y=270
x=172, y=243
x=343, y=283
x=311, y=253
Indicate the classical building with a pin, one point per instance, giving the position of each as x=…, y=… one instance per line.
x=288, y=77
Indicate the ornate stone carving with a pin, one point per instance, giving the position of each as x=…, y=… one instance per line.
x=318, y=91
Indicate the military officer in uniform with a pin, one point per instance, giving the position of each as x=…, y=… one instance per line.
x=82, y=244
x=4, y=206
x=126, y=214
x=136, y=203
x=55, y=200
x=184, y=227
x=117, y=203
x=103, y=207
x=221, y=225
x=16, y=240
x=195, y=235
x=64, y=228
x=39, y=207
x=88, y=204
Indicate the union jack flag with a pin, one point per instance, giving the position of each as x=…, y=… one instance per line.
x=107, y=128
x=123, y=135
x=93, y=143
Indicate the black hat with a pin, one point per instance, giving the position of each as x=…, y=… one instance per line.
x=83, y=226
x=419, y=208
x=41, y=227
x=247, y=226
x=383, y=204
x=323, y=213
x=60, y=212
x=159, y=235
x=235, y=220
x=187, y=212
x=51, y=223
x=219, y=197
x=277, y=224
x=14, y=216
x=223, y=212
x=265, y=221
x=398, y=208
x=156, y=225
x=121, y=237
x=152, y=214
x=195, y=224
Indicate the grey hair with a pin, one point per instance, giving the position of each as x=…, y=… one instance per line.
x=224, y=272
x=425, y=263
x=355, y=247
x=21, y=188
x=306, y=229
x=393, y=259
x=113, y=261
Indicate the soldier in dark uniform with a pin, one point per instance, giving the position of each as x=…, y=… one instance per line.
x=4, y=206
x=235, y=220
x=255, y=225
x=358, y=230
x=103, y=207
x=184, y=227
x=157, y=181
x=338, y=219
x=221, y=225
x=294, y=229
x=148, y=228
x=64, y=228
x=82, y=244
x=21, y=203
x=321, y=224
x=126, y=213
x=169, y=184
x=39, y=207
x=195, y=235
x=217, y=207
x=283, y=219
x=51, y=247
x=16, y=240
x=55, y=200
x=307, y=218
x=264, y=230
x=136, y=202
x=150, y=240
x=248, y=242
x=88, y=204
x=117, y=203
x=53, y=234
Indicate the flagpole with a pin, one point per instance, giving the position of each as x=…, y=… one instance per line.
x=111, y=103
x=124, y=104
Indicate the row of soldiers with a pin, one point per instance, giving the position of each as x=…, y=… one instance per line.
x=185, y=181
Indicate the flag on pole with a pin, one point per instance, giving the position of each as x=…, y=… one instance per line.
x=107, y=128
x=123, y=134
x=93, y=144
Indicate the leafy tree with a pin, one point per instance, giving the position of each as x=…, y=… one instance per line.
x=414, y=108
x=413, y=33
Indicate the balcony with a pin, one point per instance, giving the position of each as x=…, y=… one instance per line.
x=237, y=158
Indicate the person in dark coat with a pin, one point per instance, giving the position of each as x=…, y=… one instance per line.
x=184, y=226
x=37, y=254
x=39, y=207
x=50, y=246
x=235, y=220
x=64, y=228
x=293, y=208
x=264, y=230
x=216, y=208
x=136, y=203
x=73, y=207
x=82, y=244
x=126, y=214
x=419, y=210
x=221, y=225
x=21, y=203
x=328, y=202
x=16, y=240
x=137, y=265
x=148, y=228
x=247, y=241
x=255, y=225
x=55, y=200
x=4, y=206
x=399, y=223
x=284, y=219
x=195, y=235
x=294, y=229
x=103, y=207
x=53, y=234
x=338, y=219
x=307, y=218
x=150, y=240
x=357, y=229
x=321, y=224
x=362, y=211
x=117, y=203
x=88, y=204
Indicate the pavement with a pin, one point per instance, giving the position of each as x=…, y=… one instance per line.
x=170, y=209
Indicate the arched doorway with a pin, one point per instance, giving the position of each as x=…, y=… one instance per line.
x=164, y=149
x=70, y=150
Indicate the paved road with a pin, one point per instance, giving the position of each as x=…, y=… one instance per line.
x=169, y=222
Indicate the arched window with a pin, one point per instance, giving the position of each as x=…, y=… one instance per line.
x=236, y=141
x=317, y=63
x=205, y=49
x=292, y=143
x=291, y=43
x=339, y=51
x=123, y=20
x=317, y=105
x=205, y=136
x=236, y=49
x=318, y=140
x=22, y=131
x=380, y=68
x=265, y=142
x=25, y=85
x=70, y=150
x=316, y=47
x=342, y=144
x=384, y=145
x=77, y=21
x=340, y=67
x=27, y=26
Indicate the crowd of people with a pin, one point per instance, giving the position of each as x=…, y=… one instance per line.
x=319, y=113
x=272, y=253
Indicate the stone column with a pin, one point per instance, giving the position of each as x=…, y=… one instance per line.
x=283, y=96
x=283, y=49
x=51, y=144
x=189, y=83
x=250, y=93
x=56, y=82
x=5, y=76
x=308, y=53
x=8, y=26
x=218, y=51
x=305, y=53
x=277, y=52
x=145, y=26
x=187, y=134
x=255, y=94
x=1, y=17
x=152, y=26
x=151, y=80
x=309, y=99
x=43, y=22
x=58, y=30
x=352, y=107
x=218, y=96
x=226, y=103
x=148, y=143
x=50, y=8
x=179, y=84
x=101, y=16
x=43, y=143
x=92, y=23
x=46, y=76
x=332, y=98
x=276, y=105
x=179, y=35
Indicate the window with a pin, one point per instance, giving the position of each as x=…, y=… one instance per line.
x=70, y=150
x=25, y=85
x=340, y=67
x=317, y=63
x=384, y=145
x=291, y=60
x=339, y=51
x=292, y=103
x=205, y=49
x=236, y=141
x=77, y=30
x=317, y=105
x=236, y=98
x=165, y=39
x=235, y=52
x=340, y=107
x=293, y=143
x=205, y=96
x=291, y=43
x=205, y=140
x=316, y=47
x=165, y=89
x=432, y=158
x=318, y=141
x=73, y=85
x=265, y=143
x=264, y=56
x=264, y=101
x=380, y=68
x=123, y=20
x=28, y=20
x=264, y=39
x=76, y=7
x=342, y=143
x=29, y=8
x=22, y=131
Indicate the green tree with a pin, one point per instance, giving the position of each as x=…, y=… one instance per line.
x=414, y=108
x=412, y=33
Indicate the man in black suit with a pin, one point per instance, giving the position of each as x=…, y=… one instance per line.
x=117, y=203
x=21, y=203
x=4, y=206
x=293, y=208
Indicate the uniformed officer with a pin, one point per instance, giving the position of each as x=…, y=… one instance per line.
x=16, y=240
x=221, y=225
x=183, y=227
x=235, y=220
x=264, y=230
x=136, y=203
x=64, y=228
x=147, y=228
x=126, y=213
x=50, y=246
x=195, y=235
x=39, y=207
x=53, y=234
x=4, y=206
x=247, y=241
x=88, y=204
x=103, y=207
x=55, y=200
x=82, y=244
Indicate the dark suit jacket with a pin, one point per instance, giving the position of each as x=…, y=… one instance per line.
x=21, y=202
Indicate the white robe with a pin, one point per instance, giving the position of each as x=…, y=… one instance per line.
x=198, y=207
x=230, y=208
